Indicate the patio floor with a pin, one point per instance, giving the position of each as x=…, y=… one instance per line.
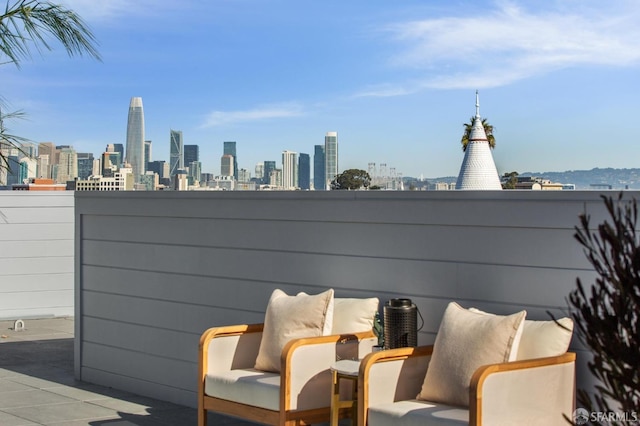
x=37, y=386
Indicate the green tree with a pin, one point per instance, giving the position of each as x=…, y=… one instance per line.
x=607, y=313
x=28, y=24
x=488, y=129
x=509, y=180
x=351, y=179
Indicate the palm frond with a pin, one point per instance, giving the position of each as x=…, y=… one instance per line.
x=488, y=130
x=31, y=23
x=9, y=141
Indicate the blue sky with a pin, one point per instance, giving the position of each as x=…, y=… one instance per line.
x=559, y=80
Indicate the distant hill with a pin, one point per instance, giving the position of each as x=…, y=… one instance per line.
x=595, y=178
x=583, y=179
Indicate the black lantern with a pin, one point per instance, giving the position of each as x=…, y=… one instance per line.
x=400, y=324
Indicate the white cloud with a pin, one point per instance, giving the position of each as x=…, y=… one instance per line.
x=91, y=10
x=220, y=118
x=509, y=43
x=385, y=91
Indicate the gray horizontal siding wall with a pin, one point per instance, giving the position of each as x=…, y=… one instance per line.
x=155, y=269
x=36, y=254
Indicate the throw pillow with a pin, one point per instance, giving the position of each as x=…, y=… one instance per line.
x=540, y=339
x=513, y=356
x=353, y=315
x=545, y=338
x=465, y=341
x=287, y=318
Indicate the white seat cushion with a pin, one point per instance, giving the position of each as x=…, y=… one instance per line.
x=249, y=386
x=417, y=413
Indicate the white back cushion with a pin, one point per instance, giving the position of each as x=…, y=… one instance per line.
x=545, y=338
x=353, y=315
x=465, y=341
x=291, y=317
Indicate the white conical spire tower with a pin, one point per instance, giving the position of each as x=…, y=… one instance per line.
x=478, y=171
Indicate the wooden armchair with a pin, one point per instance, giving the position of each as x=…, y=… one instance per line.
x=274, y=373
x=298, y=395
x=482, y=369
x=536, y=391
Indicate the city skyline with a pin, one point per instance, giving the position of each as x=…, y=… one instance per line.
x=396, y=81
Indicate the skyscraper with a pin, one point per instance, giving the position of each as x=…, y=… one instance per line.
x=147, y=154
x=331, y=158
x=269, y=166
x=289, y=169
x=159, y=167
x=226, y=165
x=304, y=171
x=47, y=159
x=259, y=172
x=44, y=168
x=230, y=149
x=67, y=165
x=319, y=180
x=135, y=138
x=118, y=147
x=191, y=154
x=13, y=170
x=85, y=165
x=176, y=152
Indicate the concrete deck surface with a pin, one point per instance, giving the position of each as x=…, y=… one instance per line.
x=37, y=386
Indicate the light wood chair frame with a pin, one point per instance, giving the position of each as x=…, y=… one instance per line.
x=285, y=416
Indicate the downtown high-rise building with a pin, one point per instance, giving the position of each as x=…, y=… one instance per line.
x=269, y=167
x=118, y=147
x=11, y=174
x=304, y=171
x=147, y=154
x=229, y=148
x=46, y=159
x=259, y=172
x=28, y=167
x=161, y=168
x=135, y=138
x=176, y=152
x=67, y=168
x=85, y=165
x=289, y=170
x=191, y=154
x=330, y=158
x=226, y=165
x=319, y=178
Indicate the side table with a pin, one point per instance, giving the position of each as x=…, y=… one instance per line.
x=346, y=369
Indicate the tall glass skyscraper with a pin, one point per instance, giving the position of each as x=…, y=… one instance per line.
x=304, y=171
x=269, y=166
x=135, y=138
x=118, y=147
x=319, y=180
x=191, y=154
x=176, y=152
x=230, y=149
x=331, y=158
x=85, y=165
x=147, y=155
